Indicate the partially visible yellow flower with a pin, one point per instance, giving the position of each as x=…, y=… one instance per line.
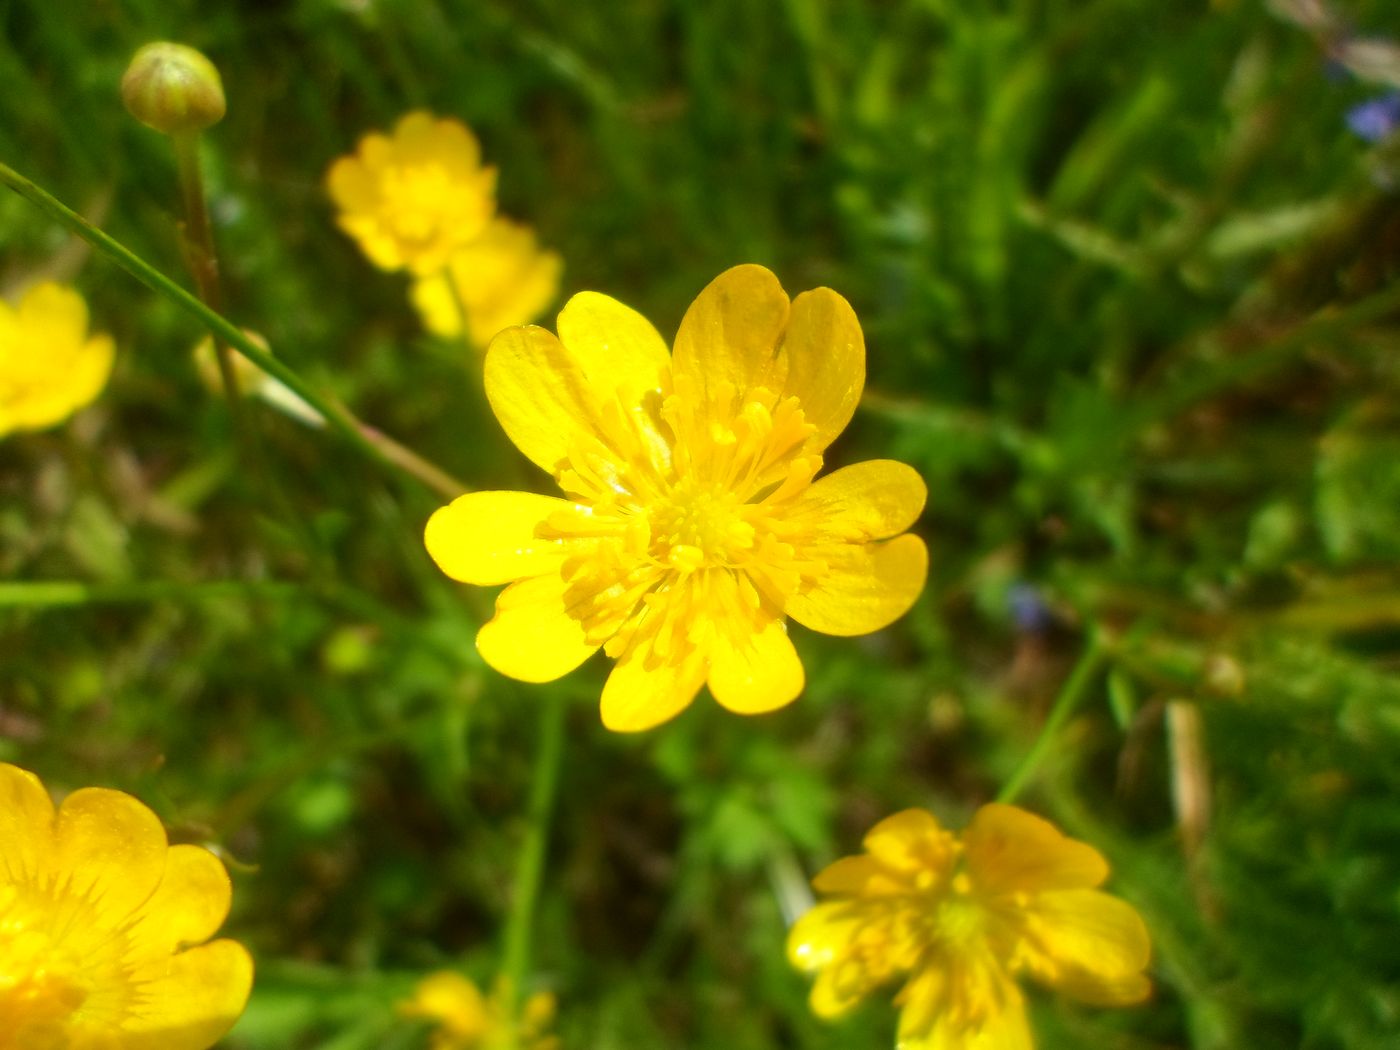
x=103, y=924
x=959, y=919
x=247, y=377
x=464, y=1019
x=411, y=199
x=692, y=527
x=502, y=278
x=49, y=366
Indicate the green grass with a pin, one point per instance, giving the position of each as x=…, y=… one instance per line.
x=1129, y=292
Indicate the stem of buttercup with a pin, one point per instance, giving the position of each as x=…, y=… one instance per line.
x=1071, y=693
x=529, y=866
x=463, y=318
x=197, y=240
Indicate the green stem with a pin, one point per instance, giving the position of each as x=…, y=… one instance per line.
x=946, y=419
x=464, y=332
x=202, y=257
x=362, y=436
x=530, y=864
x=1241, y=368
x=48, y=594
x=1070, y=695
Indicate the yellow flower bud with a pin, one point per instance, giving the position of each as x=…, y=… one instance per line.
x=1223, y=676
x=248, y=376
x=173, y=88
x=251, y=380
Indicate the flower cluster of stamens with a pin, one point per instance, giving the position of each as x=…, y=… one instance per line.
x=44, y=978
x=417, y=196
x=675, y=513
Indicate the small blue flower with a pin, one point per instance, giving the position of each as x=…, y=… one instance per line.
x=1029, y=611
x=1375, y=119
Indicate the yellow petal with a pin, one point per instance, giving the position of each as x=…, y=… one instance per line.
x=53, y=315
x=839, y=940
x=756, y=674
x=867, y=586
x=111, y=849
x=501, y=278
x=840, y=987
x=26, y=824
x=521, y=292
x=432, y=297
x=456, y=148
x=729, y=339
x=421, y=138
x=376, y=152
x=912, y=841
x=381, y=249
x=189, y=1001
x=1089, y=945
x=923, y=1003
x=540, y=395
x=488, y=538
x=935, y=1012
x=644, y=690
x=190, y=904
x=860, y=877
x=823, y=934
x=532, y=636
x=452, y=1000
x=77, y=377
x=873, y=500
x=1012, y=851
x=351, y=186
x=93, y=367
x=416, y=135
x=826, y=362
x=614, y=345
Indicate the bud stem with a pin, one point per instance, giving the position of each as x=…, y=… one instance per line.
x=197, y=240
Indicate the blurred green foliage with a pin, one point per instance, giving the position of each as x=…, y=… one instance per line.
x=1129, y=291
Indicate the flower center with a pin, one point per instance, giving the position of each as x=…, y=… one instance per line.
x=961, y=923
x=699, y=528
x=417, y=196
x=40, y=980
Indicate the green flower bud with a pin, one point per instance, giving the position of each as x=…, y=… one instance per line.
x=173, y=88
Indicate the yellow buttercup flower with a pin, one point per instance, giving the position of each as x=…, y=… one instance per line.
x=49, y=366
x=960, y=918
x=464, y=1019
x=692, y=526
x=501, y=279
x=103, y=924
x=411, y=199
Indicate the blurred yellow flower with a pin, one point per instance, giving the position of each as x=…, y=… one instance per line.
x=960, y=919
x=103, y=924
x=464, y=1019
x=49, y=366
x=413, y=198
x=501, y=279
x=692, y=526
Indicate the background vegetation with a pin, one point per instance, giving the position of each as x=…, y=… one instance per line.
x=1128, y=286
